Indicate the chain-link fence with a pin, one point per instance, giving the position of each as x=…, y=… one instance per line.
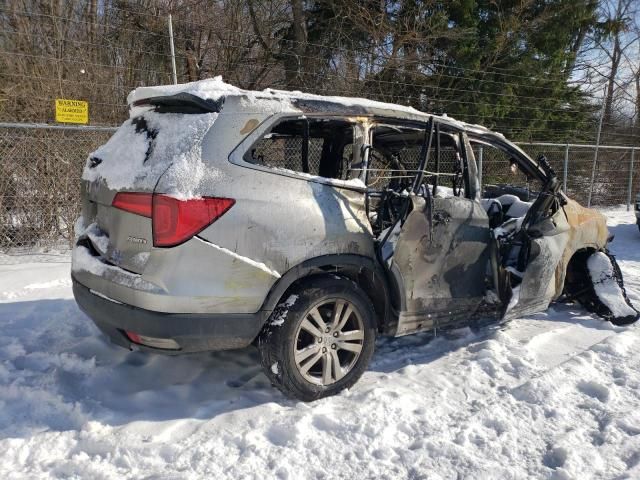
x=614, y=171
x=40, y=168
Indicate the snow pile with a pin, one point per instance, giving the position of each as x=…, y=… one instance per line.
x=443, y=192
x=98, y=238
x=122, y=157
x=209, y=89
x=84, y=261
x=281, y=312
x=515, y=207
x=135, y=157
x=606, y=286
x=553, y=395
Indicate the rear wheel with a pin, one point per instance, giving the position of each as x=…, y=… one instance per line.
x=320, y=339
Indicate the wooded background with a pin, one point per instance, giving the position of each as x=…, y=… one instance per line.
x=533, y=69
x=536, y=70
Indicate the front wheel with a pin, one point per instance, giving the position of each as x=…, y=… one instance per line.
x=320, y=339
x=595, y=280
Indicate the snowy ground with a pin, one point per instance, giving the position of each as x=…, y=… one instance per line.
x=555, y=395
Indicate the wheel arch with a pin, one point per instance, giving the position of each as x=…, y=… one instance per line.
x=364, y=271
x=576, y=268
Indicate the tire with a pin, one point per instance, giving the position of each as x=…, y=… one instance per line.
x=579, y=285
x=295, y=326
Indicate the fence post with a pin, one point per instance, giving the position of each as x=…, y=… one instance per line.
x=595, y=155
x=480, y=168
x=630, y=186
x=565, y=168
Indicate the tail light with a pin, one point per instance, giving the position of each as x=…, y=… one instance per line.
x=138, y=203
x=174, y=221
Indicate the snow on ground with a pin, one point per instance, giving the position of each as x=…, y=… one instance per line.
x=554, y=395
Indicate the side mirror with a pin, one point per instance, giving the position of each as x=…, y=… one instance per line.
x=544, y=163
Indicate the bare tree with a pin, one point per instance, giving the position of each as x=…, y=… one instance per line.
x=617, y=36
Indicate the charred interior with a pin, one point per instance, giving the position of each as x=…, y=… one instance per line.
x=423, y=187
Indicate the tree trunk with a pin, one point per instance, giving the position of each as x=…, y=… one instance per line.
x=611, y=81
x=299, y=42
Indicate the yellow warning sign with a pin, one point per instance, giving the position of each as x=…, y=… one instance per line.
x=72, y=111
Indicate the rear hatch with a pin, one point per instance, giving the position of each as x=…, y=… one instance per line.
x=162, y=138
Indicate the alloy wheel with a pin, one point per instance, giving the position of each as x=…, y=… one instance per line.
x=328, y=341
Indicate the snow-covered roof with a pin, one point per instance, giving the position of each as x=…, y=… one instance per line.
x=272, y=100
x=215, y=89
x=209, y=89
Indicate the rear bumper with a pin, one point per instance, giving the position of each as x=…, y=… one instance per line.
x=194, y=332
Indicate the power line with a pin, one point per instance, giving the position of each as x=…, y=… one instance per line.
x=88, y=98
x=366, y=85
x=490, y=119
x=82, y=62
x=80, y=42
x=89, y=83
x=337, y=90
x=315, y=74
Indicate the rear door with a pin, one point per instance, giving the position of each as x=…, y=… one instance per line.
x=441, y=253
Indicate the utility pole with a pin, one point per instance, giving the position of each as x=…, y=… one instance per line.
x=173, y=52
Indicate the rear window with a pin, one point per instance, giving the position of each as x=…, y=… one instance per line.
x=146, y=145
x=320, y=147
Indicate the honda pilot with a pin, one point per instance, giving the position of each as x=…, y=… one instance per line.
x=216, y=218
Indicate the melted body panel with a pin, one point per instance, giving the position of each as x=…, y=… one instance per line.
x=537, y=288
x=558, y=238
x=588, y=229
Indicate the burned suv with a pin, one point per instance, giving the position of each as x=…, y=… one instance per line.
x=216, y=218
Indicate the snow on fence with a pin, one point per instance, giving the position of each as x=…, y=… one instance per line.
x=40, y=168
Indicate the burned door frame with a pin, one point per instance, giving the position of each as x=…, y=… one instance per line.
x=441, y=255
x=535, y=247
